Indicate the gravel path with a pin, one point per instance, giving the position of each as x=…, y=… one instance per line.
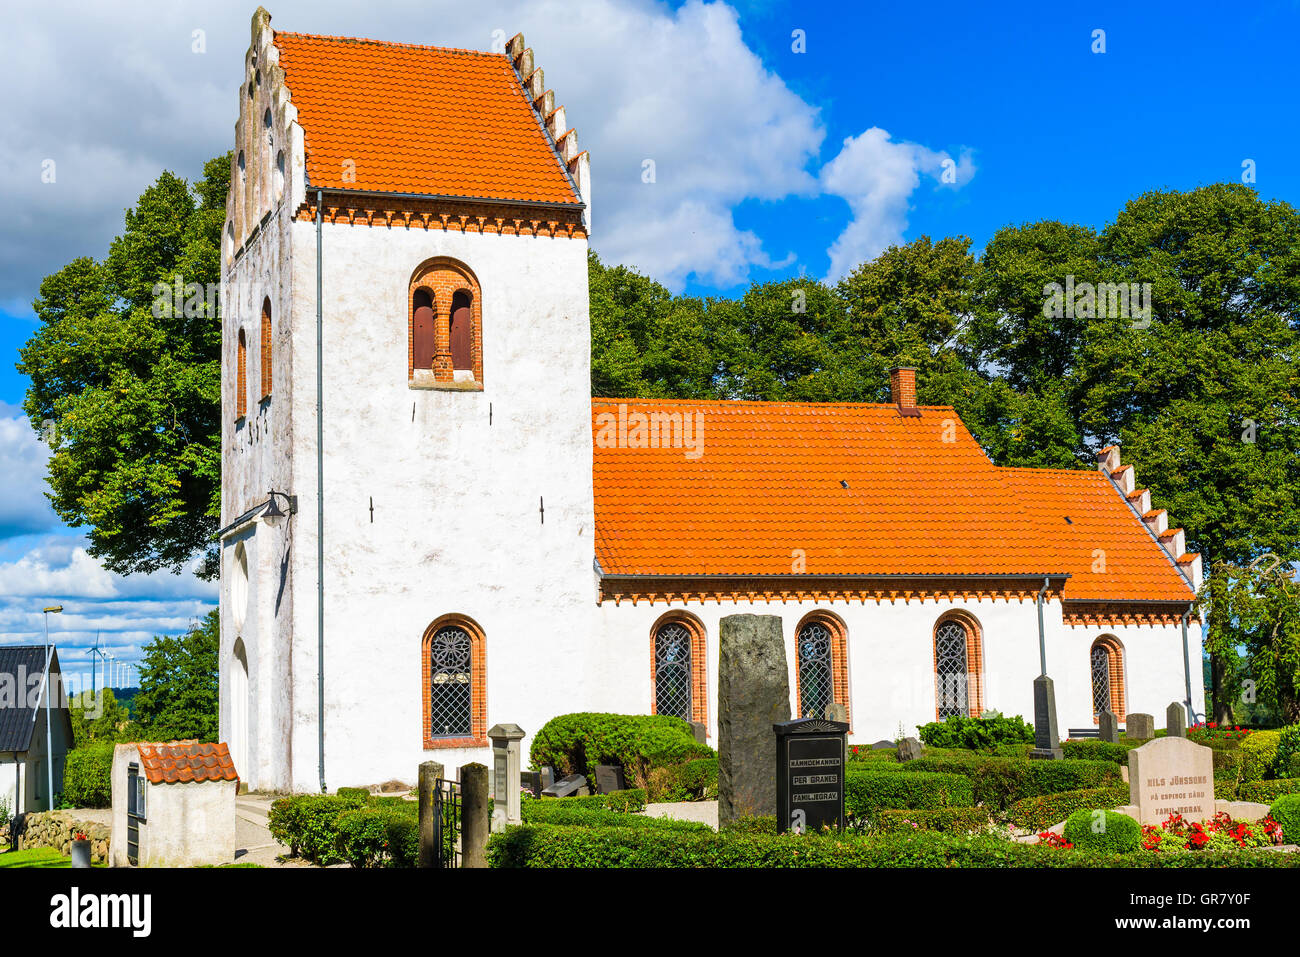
x=703, y=811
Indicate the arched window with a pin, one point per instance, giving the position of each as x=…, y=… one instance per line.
x=822, y=673
x=446, y=326
x=680, y=676
x=241, y=376
x=266, y=349
x=455, y=696
x=958, y=665
x=1106, y=664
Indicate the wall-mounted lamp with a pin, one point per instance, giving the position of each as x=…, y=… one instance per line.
x=273, y=514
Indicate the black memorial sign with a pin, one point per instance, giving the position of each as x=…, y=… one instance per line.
x=810, y=774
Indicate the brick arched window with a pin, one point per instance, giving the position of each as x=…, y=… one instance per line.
x=455, y=683
x=678, y=667
x=265, y=358
x=958, y=666
x=241, y=376
x=822, y=673
x=1106, y=666
x=445, y=321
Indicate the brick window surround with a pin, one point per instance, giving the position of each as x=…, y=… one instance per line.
x=265, y=357
x=839, y=657
x=478, y=685
x=241, y=376
x=699, y=663
x=974, y=661
x=1115, y=657
x=441, y=278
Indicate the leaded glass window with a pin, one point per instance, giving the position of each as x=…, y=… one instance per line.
x=816, y=687
x=951, y=671
x=673, y=671
x=451, y=698
x=1101, y=700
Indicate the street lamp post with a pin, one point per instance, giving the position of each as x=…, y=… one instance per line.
x=49, y=742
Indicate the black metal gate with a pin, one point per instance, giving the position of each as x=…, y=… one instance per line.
x=446, y=823
x=132, y=814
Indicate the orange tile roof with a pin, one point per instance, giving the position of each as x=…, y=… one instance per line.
x=860, y=490
x=418, y=119
x=181, y=761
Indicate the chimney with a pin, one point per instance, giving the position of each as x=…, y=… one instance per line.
x=902, y=389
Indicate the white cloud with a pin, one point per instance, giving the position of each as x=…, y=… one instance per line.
x=23, y=505
x=877, y=177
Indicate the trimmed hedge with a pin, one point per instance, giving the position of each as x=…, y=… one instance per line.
x=548, y=846
x=1266, y=792
x=360, y=794
x=88, y=776
x=692, y=781
x=1286, y=763
x=627, y=802
x=576, y=743
x=1286, y=811
x=1000, y=782
x=961, y=820
x=1259, y=752
x=1088, y=749
x=978, y=734
x=1100, y=830
x=867, y=791
x=1042, y=811
x=308, y=824
x=565, y=811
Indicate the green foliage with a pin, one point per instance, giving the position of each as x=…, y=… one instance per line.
x=1044, y=810
x=1087, y=749
x=1097, y=829
x=630, y=801
x=135, y=396
x=178, y=683
x=576, y=743
x=976, y=734
x=88, y=776
x=692, y=781
x=1000, y=782
x=362, y=838
x=867, y=790
x=570, y=812
x=357, y=794
x=1265, y=792
x=308, y=824
x=1259, y=754
x=751, y=824
x=1286, y=762
x=551, y=846
x=959, y=820
x=107, y=722
x=1286, y=811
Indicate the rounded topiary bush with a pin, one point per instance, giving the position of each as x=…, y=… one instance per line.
x=1258, y=753
x=1286, y=811
x=1097, y=830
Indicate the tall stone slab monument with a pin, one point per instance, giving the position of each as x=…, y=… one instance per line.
x=753, y=695
x=1047, y=736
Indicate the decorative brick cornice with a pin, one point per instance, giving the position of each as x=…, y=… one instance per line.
x=795, y=588
x=1100, y=614
x=402, y=212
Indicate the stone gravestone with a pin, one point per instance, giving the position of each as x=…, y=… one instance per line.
x=1141, y=727
x=1108, y=727
x=836, y=712
x=1047, y=735
x=609, y=777
x=505, y=740
x=884, y=746
x=700, y=731
x=1171, y=776
x=753, y=695
x=810, y=774
x=909, y=749
x=532, y=780
x=1175, y=721
x=573, y=785
x=548, y=777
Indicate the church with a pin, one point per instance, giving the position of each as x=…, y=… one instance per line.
x=431, y=527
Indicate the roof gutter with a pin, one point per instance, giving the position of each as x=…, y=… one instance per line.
x=491, y=200
x=1042, y=635
x=882, y=576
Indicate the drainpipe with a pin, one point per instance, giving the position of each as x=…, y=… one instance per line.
x=1187, y=668
x=320, y=513
x=1042, y=639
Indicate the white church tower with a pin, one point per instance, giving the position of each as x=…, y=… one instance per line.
x=412, y=222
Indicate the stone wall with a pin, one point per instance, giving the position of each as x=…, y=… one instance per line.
x=56, y=829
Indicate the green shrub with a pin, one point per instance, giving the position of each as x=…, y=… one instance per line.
x=359, y=794
x=1229, y=765
x=308, y=824
x=88, y=776
x=550, y=846
x=692, y=781
x=566, y=811
x=1286, y=811
x=867, y=791
x=1286, y=763
x=404, y=838
x=948, y=819
x=1100, y=830
x=626, y=802
x=980, y=734
x=1043, y=810
x=864, y=752
x=576, y=743
x=1000, y=782
x=752, y=824
x=362, y=836
x=1266, y=792
x=1089, y=749
x=1259, y=752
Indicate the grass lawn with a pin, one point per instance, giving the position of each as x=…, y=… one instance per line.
x=37, y=857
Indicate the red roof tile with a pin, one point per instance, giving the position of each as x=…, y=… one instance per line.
x=418, y=119
x=859, y=490
x=180, y=761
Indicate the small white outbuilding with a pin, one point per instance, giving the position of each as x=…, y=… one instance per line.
x=173, y=804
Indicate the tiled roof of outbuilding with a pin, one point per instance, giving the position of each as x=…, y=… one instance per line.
x=181, y=761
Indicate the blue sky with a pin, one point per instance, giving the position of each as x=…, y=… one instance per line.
x=768, y=162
